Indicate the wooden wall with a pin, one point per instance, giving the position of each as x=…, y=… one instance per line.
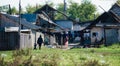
x=9, y=40
x=25, y=41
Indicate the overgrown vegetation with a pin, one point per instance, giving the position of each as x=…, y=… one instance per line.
x=105, y=56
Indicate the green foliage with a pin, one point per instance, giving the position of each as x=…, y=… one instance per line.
x=94, y=63
x=118, y=2
x=14, y=10
x=59, y=8
x=30, y=9
x=21, y=52
x=58, y=57
x=1, y=61
x=115, y=46
x=91, y=63
x=84, y=11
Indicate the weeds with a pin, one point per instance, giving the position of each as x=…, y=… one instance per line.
x=92, y=50
x=114, y=46
x=92, y=63
x=57, y=57
x=22, y=52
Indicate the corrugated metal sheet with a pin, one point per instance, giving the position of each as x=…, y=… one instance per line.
x=23, y=22
x=29, y=17
x=65, y=24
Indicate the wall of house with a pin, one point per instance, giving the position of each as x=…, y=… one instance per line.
x=37, y=34
x=119, y=35
x=9, y=40
x=99, y=32
x=25, y=41
x=111, y=36
x=109, y=33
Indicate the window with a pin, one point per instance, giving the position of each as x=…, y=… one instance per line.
x=94, y=34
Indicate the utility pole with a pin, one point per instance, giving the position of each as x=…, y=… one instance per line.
x=19, y=24
x=19, y=16
x=9, y=9
x=65, y=8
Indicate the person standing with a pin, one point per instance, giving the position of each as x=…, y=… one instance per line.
x=40, y=41
x=66, y=42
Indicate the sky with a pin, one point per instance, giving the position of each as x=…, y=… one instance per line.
x=105, y=4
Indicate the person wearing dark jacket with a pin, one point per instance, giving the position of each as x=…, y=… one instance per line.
x=40, y=41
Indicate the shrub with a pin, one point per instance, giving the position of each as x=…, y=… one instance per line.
x=92, y=50
x=91, y=63
x=52, y=61
x=21, y=52
x=1, y=61
x=94, y=63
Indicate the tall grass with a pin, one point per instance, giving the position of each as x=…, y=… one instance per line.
x=58, y=57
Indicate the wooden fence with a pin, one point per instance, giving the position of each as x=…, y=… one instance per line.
x=10, y=41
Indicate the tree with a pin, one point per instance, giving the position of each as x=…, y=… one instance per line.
x=30, y=9
x=14, y=10
x=118, y=2
x=84, y=11
x=59, y=8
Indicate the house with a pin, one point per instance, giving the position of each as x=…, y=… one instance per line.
x=105, y=29
x=48, y=10
x=46, y=19
x=9, y=37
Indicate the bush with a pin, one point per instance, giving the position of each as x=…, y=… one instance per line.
x=91, y=63
x=21, y=52
x=94, y=63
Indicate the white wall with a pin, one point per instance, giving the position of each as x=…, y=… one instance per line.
x=100, y=32
x=119, y=35
x=37, y=35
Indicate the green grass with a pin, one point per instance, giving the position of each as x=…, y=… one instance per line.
x=105, y=56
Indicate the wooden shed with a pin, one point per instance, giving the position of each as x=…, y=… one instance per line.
x=9, y=35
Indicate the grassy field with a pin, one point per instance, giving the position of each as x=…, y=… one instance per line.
x=105, y=56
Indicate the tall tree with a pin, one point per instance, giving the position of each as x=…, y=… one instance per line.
x=31, y=9
x=59, y=8
x=118, y=2
x=84, y=11
x=14, y=10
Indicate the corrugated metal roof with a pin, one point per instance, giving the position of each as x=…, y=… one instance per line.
x=29, y=17
x=23, y=22
x=65, y=24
